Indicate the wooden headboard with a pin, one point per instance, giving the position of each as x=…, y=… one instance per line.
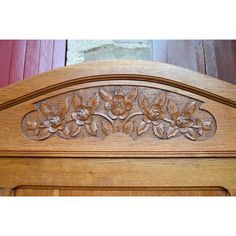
x=150, y=116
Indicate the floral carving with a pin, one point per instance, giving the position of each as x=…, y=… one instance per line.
x=83, y=113
x=131, y=111
x=118, y=105
x=153, y=113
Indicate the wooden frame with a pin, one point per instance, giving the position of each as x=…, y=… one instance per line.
x=118, y=128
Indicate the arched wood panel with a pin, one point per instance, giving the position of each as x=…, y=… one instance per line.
x=119, y=124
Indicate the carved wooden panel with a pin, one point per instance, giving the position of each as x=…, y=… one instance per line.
x=132, y=110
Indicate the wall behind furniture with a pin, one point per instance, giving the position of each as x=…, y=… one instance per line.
x=21, y=59
x=216, y=58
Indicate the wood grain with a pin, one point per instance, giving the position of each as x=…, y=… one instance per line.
x=82, y=173
x=118, y=191
x=118, y=164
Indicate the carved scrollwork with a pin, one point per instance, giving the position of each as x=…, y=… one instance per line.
x=135, y=111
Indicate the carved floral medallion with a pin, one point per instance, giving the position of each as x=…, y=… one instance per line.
x=134, y=111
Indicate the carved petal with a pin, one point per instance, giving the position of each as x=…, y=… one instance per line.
x=45, y=109
x=92, y=128
x=171, y=107
x=142, y=100
x=114, y=117
x=52, y=130
x=160, y=99
x=172, y=131
x=105, y=96
x=142, y=128
x=159, y=131
x=129, y=126
x=132, y=94
x=190, y=108
x=191, y=134
x=76, y=101
x=94, y=102
x=106, y=127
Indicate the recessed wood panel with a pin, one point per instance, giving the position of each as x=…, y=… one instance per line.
x=56, y=191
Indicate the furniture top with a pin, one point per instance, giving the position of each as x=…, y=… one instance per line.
x=118, y=109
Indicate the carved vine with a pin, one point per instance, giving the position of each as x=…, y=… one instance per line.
x=161, y=117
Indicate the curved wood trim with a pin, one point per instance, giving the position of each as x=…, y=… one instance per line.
x=77, y=81
x=118, y=70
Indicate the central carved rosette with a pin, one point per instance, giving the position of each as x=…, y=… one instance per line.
x=118, y=110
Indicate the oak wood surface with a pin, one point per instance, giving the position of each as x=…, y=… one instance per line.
x=144, y=166
x=82, y=173
x=218, y=98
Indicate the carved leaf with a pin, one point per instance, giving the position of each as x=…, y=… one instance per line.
x=76, y=101
x=45, y=108
x=142, y=100
x=171, y=107
x=203, y=126
x=199, y=122
x=191, y=134
x=94, y=102
x=190, y=108
x=64, y=107
x=132, y=94
x=31, y=125
x=105, y=96
x=106, y=127
x=160, y=99
x=65, y=133
x=172, y=131
x=142, y=128
x=44, y=134
x=159, y=131
x=92, y=128
x=129, y=127
x=207, y=125
x=74, y=129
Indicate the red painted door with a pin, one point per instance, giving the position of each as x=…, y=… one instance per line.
x=21, y=59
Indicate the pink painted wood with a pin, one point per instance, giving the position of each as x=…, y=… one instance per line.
x=46, y=55
x=17, y=61
x=5, y=61
x=21, y=59
x=32, y=58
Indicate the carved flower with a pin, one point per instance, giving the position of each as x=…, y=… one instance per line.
x=83, y=113
x=55, y=117
x=118, y=104
x=152, y=114
x=182, y=121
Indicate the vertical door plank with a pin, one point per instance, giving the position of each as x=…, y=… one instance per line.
x=220, y=56
x=46, y=55
x=59, y=54
x=32, y=58
x=5, y=61
x=185, y=53
x=17, y=61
